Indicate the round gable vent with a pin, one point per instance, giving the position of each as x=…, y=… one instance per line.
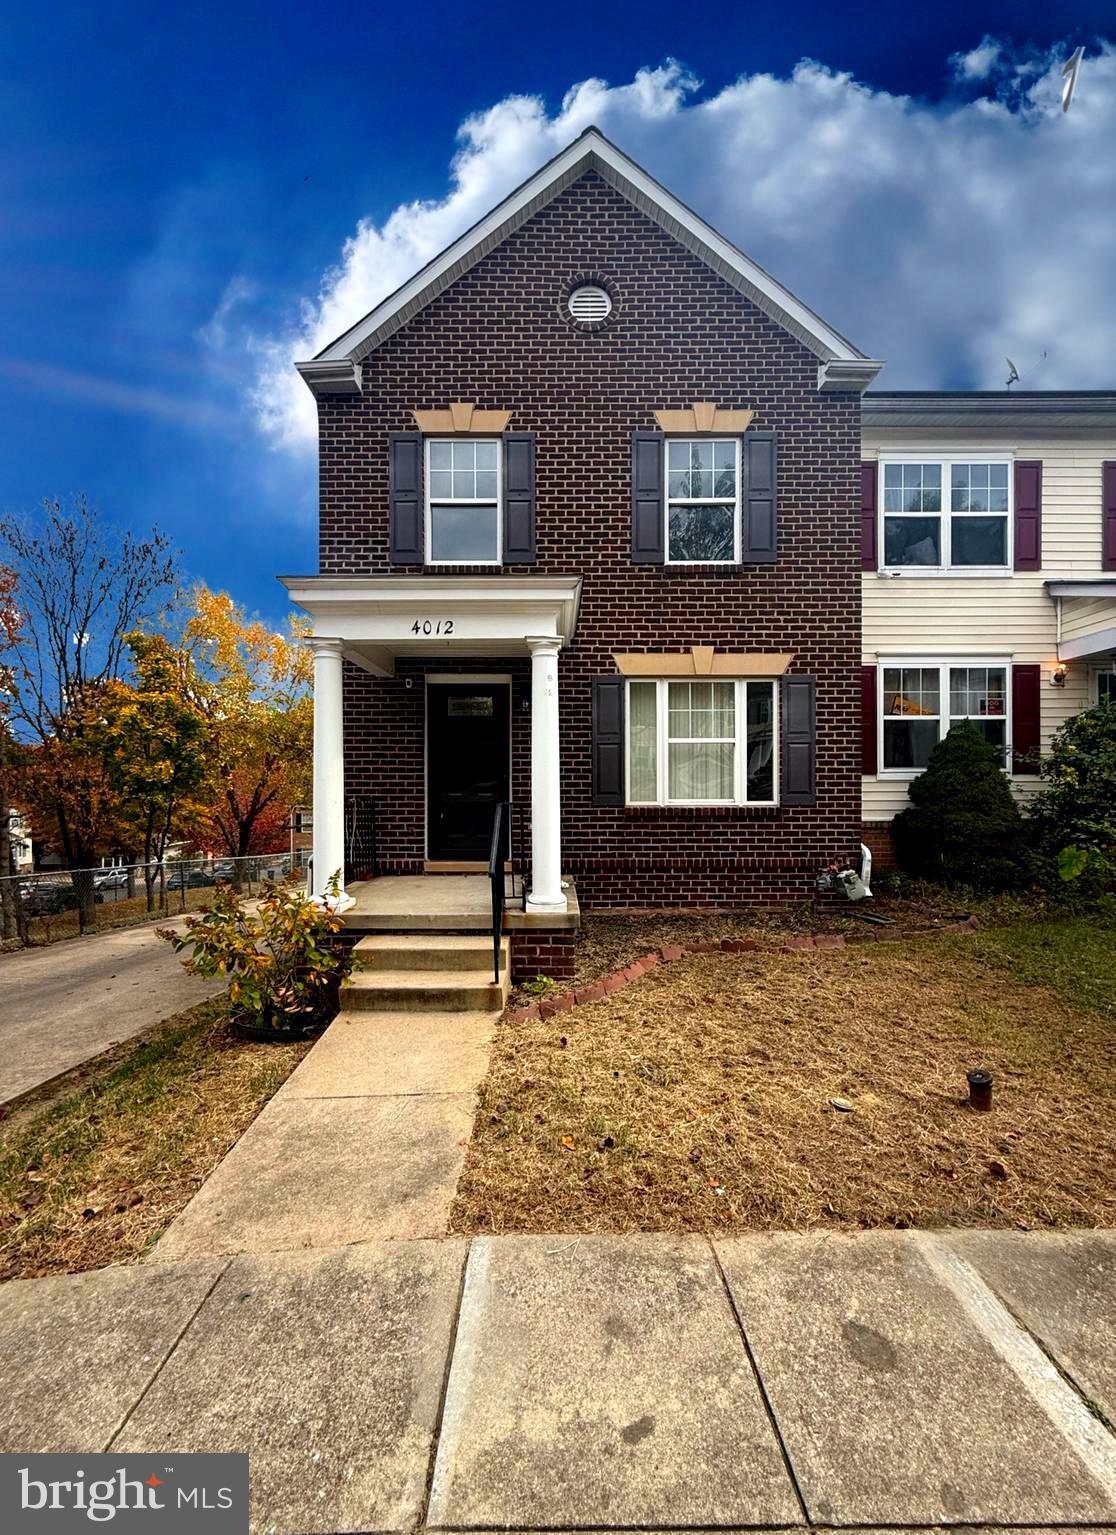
x=589, y=305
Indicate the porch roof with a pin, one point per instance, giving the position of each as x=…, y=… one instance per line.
x=1086, y=618
x=380, y=617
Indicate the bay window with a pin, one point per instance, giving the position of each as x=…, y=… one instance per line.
x=463, y=501
x=920, y=700
x=701, y=742
x=703, y=500
x=946, y=514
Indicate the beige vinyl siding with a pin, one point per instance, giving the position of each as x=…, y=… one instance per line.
x=1082, y=616
x=1010, y=615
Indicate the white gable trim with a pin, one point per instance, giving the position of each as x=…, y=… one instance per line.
x=590, y=151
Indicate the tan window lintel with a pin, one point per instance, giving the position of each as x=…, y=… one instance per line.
x=460, y=420
x=703, y=416
x=703, y=661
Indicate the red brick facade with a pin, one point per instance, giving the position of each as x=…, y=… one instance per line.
x=499, y=337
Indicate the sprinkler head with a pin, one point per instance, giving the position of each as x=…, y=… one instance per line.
x=980, y=1090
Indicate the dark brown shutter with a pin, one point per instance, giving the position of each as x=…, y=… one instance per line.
x=1108, y=515
x=405, y=498
x=608, y=740
x=1028, y=514
x=1026, y=718
x=519, y=498
x=799, y=733
x=869, y=724
x=648, y=501
x=760, y=541
x=869, y=520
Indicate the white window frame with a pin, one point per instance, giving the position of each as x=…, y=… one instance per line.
x=669, y=501
x=740, y=749
x=943, y=664
x=428, y=501
x=1096, y=673
x=945, y=463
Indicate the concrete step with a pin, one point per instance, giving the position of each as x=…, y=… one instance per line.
x=429, y=951
x=423, y=991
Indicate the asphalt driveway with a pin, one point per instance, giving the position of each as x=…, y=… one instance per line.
x=61, y=1005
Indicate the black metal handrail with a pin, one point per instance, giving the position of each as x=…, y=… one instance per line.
x=362, y=853
x=510, y=816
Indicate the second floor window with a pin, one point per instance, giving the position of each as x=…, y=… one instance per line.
x=703, y=501
x=463, y=501
x=951, y=514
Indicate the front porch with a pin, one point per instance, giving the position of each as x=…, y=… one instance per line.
x=423, y=701
x=542, y=943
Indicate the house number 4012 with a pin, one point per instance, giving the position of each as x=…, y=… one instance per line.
x=432, y=626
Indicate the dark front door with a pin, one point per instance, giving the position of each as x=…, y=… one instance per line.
x=467, y=755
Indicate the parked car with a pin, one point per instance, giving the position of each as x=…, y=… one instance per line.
x=51, y=896
x=110, y=879
x=189, y=873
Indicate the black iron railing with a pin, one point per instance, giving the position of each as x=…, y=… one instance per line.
x=362, y=856
x=505, y=865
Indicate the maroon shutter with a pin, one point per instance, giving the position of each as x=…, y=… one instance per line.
x=868, y=725
x=1026, y=695
x=1108, y=524
x=869, y=476
x=1028, y=514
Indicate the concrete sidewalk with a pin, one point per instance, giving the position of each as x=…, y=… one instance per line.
x=905, y=1380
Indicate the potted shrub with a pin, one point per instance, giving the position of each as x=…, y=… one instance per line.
x=285, y=965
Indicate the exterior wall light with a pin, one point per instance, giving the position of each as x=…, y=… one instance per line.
x=1058, y=677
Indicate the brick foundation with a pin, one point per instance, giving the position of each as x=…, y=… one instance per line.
x=876, y=836
x=536, y=952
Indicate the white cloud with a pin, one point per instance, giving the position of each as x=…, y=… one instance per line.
x=939, y=237
x=979, y=62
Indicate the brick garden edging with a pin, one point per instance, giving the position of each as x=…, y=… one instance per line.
x=595, y=991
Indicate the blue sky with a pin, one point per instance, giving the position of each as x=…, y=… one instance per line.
x=193, y=196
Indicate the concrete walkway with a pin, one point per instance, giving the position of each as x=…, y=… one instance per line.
x=903, y=1379
x=63, y=1004
x=365, y=1139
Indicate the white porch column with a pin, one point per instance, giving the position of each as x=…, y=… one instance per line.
x=329, y=769
x=546, y=892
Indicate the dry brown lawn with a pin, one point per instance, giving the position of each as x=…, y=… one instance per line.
x=96, y=1175
x=699, y=1098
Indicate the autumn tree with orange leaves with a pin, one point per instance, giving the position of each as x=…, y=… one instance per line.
x=256, y=696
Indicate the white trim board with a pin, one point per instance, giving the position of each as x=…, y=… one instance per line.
x=591, y=151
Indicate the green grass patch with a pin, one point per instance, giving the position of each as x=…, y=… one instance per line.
x=1072, y=956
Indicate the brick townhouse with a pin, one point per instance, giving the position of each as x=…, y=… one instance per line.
x=589, y=543
x=601, y=503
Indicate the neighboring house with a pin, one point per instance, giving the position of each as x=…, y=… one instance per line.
x=21, y=848
x=589, y=500
x=988, y=546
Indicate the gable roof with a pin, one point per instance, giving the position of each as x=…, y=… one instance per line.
x=841, y=365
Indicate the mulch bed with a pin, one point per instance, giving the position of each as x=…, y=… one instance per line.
x=699, y=1098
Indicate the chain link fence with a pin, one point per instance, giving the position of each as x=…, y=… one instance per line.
x=60, y=903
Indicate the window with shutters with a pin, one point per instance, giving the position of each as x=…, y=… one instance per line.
x=702, y=500
x=463, y=501
x=950, y=514
x=701, y=742
x=920, y=700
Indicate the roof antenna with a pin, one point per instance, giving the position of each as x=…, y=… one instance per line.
x=1013, y=376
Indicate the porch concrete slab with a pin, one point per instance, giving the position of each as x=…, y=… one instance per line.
x=897, y=1401
x=603, y=1381
x=378, y=1054
x=77, y=1351
x=444, y=903
x=322, y=1172
x=1062, y=1287
x=327, y=1369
